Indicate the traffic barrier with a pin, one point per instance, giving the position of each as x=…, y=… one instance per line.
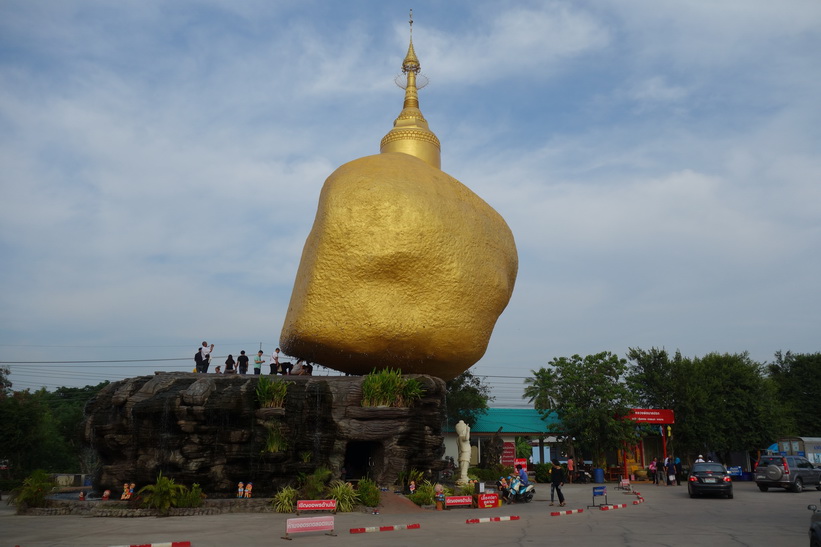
x=385, y=528
x=166, y=544
x=568, y=512
x=614, y=506
x=638, y=501
x=310, y=524
x=491, y=519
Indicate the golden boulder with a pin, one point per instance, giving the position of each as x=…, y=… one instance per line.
x=405, y=267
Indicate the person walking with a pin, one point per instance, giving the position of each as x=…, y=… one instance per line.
x=654, y=471
x=556, y=482
x=242, y=362
x=571, y=467
x=671, y=471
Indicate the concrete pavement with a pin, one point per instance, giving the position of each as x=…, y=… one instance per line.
x=668, y=517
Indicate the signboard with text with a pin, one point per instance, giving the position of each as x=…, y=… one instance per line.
x=486, y=501
x=651, y=416
x=509, y=454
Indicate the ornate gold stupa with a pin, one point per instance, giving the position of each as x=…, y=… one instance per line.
x=405, y=267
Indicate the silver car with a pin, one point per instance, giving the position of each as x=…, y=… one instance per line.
x=790, y=472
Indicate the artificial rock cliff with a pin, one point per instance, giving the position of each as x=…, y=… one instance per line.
x=209, y=429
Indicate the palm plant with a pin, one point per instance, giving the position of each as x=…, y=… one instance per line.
x=344, y=494
x=285, y=500
x=162, y=495
x=33, y=491
x=271, y=393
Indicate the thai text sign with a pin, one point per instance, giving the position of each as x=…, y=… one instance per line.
x=486, y=501
x=458, y=500
x=315, y=505
x=651, y=416
x=508, y=454
x=310, y=524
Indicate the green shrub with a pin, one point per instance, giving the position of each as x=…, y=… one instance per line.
x=543, y=471
x=33, y=491
x=285, y=500
x=276, y=441
x=191, y=498
x=424, y=493
x=344, y=494
x=162, y=495
x=369, y=493
x=271, y=393
x=490, y=474
x=316, y=484
x=467, y=489
x=388, y=387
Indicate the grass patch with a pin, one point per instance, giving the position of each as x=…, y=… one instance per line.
x=387, y=387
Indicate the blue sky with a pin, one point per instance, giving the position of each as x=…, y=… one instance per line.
x=657, y=162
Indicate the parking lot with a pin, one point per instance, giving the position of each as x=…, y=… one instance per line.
x=667, y=517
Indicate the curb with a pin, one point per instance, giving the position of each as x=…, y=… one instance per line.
x=638, y=501
x=490, y=519
x=167, y=544
x=385, y=528
x=570, y=512
x=616, y=506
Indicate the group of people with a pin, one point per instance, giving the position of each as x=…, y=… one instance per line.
x=202, y=358
x=512, y=485
x=667, y=472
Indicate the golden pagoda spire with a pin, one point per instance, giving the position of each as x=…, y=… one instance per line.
x=410, y=133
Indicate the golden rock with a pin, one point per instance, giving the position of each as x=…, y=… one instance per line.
x=405, y=267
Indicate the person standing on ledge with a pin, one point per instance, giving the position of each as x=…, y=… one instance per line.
x=242, y=362
x=205, y=353
x=259, y=360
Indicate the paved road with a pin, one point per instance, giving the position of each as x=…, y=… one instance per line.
x=668, y=517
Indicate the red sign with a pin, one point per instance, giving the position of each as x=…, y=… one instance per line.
x=651, y=416
x=458, y=500
x=315, y=505
x=508, y=454
x=310, y=524
x=522, y=462
x=486, y=501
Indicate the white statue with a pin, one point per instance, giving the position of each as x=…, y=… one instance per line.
x=463, y=432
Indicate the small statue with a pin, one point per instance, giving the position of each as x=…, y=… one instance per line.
x=248, y=488
x=131, y=490
x=82, y=496
x=124, y=495
x=439, y=496
x=241, y=490
x=412, y=487
x=106, y=495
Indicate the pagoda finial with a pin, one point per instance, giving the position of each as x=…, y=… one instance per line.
x=411, y=62
x=410, y=133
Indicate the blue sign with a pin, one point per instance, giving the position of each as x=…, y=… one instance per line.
x=735, y=471
x=599, y=490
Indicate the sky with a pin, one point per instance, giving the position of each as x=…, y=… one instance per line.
x=659, y=164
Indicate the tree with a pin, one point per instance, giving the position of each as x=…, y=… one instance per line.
x=5, y=383
x=722, y=402
x=467, y=398
x=590, y=398
x=797, y=380
x=651, y=377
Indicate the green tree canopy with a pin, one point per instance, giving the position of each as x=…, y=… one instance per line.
x=590, y=398
x=722, y=402
x=467, y=398
x=797, y=379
